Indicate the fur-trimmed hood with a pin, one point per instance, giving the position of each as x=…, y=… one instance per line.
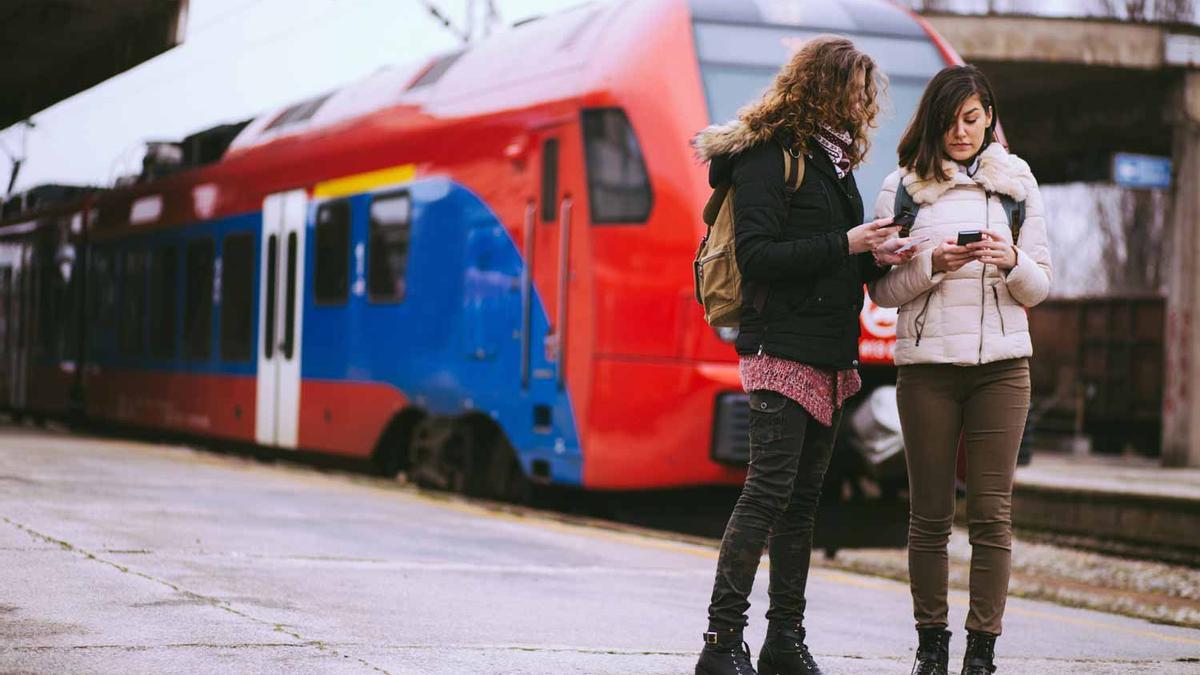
x=719, y=143
x=998, y=172
x=726, y=139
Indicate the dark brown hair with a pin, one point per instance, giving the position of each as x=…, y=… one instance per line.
x=817, y=87
x=921, y=150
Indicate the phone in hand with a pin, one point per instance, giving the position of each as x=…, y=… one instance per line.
x=905, y=221
x=969, y=237
x=914, y=242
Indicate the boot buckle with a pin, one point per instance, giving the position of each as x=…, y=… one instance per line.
x=710, y=638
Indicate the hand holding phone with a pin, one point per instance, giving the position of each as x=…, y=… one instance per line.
x=915, y=241
x=950, y=256
x=905, y=222
x=969, y=237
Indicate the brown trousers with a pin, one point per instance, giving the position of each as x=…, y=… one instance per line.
x=937, y=403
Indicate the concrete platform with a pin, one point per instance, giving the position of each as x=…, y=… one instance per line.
x=1124, y=501
x=122, y=557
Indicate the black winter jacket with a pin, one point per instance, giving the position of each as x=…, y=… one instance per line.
x=803, y=290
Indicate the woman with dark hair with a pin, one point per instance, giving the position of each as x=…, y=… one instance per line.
x=962, y=347
x=804, y=257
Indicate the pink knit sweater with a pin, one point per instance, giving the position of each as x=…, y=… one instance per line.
x=819, y=391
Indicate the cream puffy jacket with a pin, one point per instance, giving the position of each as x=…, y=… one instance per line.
x=977, y=314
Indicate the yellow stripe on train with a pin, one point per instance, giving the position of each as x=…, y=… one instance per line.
x=364, y=182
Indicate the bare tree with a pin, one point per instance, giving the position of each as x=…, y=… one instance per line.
x=1181, y=11
x=1132, y=227
x=1175, y=10
x=1145, y=10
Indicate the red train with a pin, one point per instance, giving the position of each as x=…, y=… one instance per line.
x=476, y=270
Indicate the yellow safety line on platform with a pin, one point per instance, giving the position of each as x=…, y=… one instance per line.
x=364, y=182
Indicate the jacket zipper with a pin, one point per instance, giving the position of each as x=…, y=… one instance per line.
x=920, y=320
x=766, y=324
x=987, y=207
x=996, y=294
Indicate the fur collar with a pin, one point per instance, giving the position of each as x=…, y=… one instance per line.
x=998, y=172
x=730, y=138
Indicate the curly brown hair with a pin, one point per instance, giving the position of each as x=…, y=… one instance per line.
x=819, y=86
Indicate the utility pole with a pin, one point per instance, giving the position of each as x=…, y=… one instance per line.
x=482, y=18
x=18, y=158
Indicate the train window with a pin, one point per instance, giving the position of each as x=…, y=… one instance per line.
x=47, y=294
x=6, y=277
x=550, y=180
x=298, y=113
x=618, y=185
x=133, y=294
x=436, y=70
x=289, y=310
x=237, y=302
x=332, y=273
x=391, y=229
x=69, y=271
x=164, y=280
x=100, y=284
x=198, y=300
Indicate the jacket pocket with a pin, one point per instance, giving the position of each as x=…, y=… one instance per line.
x=919, y=321
x=996, y=295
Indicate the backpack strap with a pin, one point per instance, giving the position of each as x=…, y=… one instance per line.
x=904, y=201
x=793, y=170
x=1014, y=214
x=712, y=208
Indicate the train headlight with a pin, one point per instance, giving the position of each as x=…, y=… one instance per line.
x=727, y=334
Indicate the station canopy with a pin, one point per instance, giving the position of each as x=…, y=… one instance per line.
x=51, y=50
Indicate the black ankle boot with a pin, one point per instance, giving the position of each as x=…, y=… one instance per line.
x=724, y=653
x=933, y=651
x=784, y=652
x=981, y=652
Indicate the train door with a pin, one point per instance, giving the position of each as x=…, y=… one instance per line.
x=21, y=311
x=552, y=231
x=281, y=303
x=9, y=264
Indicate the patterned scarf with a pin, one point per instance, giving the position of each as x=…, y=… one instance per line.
x=837, y=145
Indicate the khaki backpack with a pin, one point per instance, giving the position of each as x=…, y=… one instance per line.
x=718, y=280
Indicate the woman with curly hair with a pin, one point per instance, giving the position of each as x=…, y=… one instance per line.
x=804, y=258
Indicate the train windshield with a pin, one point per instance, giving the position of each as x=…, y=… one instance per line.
x=738, y=62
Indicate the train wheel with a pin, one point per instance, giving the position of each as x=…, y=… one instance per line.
x=392, y=455
x=440, y=455
x=469, y=456
x=496, y=473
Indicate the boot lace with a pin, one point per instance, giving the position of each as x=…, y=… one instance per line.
x=932, y=652
x=979, y=656
x=805, y=655
x=740, y=657
x=928, y=666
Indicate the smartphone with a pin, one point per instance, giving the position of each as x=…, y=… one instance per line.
x=905, y=221
x=915, y=242
x=969, y=237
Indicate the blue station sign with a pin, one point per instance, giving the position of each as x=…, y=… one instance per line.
x=1143, y=172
